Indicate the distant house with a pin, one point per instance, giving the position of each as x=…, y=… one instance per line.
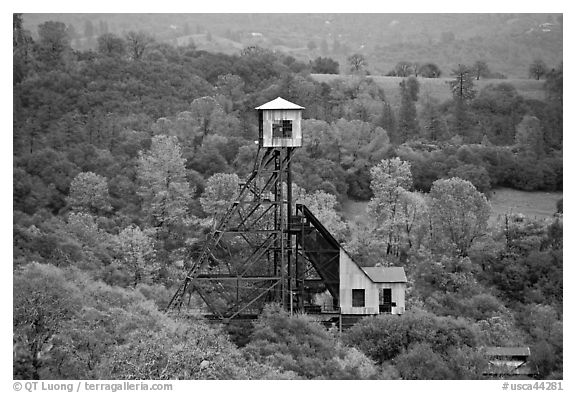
x=508, y=361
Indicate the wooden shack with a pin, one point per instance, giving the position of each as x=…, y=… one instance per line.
x=370, y=290
x=354, y=290
x=508, y=361
x=280, y=124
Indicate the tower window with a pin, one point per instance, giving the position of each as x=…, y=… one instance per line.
x=358, y=298
x=282, y=129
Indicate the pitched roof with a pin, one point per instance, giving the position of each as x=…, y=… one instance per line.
x=279, y=103
x=507, y=351
x=386, y=274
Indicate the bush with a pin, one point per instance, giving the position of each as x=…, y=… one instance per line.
x=384, y=337
x=299, y=345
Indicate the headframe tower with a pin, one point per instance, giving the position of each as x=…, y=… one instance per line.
x=248, y=258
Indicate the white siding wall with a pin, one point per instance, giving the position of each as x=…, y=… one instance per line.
x=352, y=277
x=270, y=115
x=398, y=293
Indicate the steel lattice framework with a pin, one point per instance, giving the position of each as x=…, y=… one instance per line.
x=246, y=260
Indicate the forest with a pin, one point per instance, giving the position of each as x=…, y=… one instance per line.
x=124, y=155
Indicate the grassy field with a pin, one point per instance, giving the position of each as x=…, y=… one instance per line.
x=532, y=204
x=439, y=89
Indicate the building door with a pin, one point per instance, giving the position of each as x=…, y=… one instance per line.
x=386, y=300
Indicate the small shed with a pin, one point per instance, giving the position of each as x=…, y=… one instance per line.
x=508, y=361
x=280, y=124
x=371, y=290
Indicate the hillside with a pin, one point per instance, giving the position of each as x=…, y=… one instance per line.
x=509, y=42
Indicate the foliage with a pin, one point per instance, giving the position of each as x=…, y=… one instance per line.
x=529, y=135
x=299, y=345
x=164, y=188
x=396, y=213
x=462, y=86
x=430, y=70
x=43, y=301
x=220, y=191
x=323, y=206
x=537, y=69
x=120, y=143
x=136, y=252
x=459, y=213
x=357, y=63
x=69, y=327
x=407, y=121
x=111, y=45
x=89, y=192
x=325, y=65
x=385, y=337
x=137, y=42
x=480, y=69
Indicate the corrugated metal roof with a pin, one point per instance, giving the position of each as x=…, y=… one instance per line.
x=279, y=103
x=386, y=274
x=507, y=351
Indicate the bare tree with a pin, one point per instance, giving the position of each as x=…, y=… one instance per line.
x=137, y=43
x=537, y=69
x=480, y=69
x=357, y=62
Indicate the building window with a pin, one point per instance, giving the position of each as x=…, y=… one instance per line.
x=282, y=129
x=358, y=298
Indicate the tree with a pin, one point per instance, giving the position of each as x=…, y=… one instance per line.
x=432, y=124
x=430, y=70
x=137, y=42
x=53, y=42
x=463, y=91
x=475, y=174
x=459, y=213
x=480, y=69
x=357, y=63
x=404, y=69
x=325, y=65
x=163, y=186
x=407, y=119
x=43, y=300
x=529, y=135
x=89, y=192
x=220, y=191
x=323, y=206
x=390, y=180
x=206, y=112
x=462, y=86
x=231, y=87
x=421, y=362
x=537, y=69
x=136, y=251
x=21, y=45
x=110, y=44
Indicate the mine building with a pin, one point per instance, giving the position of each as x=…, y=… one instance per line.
x=268, y=248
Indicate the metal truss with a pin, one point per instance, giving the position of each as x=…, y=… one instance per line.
x=246, y=259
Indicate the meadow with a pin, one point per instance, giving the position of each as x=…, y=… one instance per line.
x=438, y=87
x=532, y=204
